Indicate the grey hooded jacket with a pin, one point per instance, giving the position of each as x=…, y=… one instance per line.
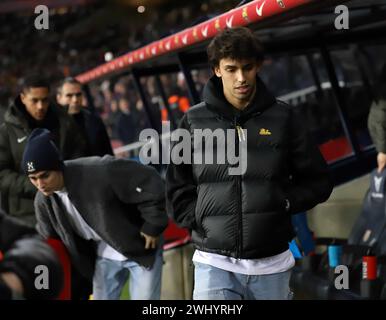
x=117, y=198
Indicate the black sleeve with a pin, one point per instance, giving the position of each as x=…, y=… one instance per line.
x=43, y=225
x=12, y=181
x=181, y=194
x=311, y=181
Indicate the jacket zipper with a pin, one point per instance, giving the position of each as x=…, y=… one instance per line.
x=239, y=239
x=240, y=133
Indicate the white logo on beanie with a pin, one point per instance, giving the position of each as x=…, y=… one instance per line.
x=30, y=166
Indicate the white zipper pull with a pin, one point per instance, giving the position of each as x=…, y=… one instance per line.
x=240, y=133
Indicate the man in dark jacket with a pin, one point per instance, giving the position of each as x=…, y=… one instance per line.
x=377, y=120
x=69, y=95
x=30, y=110
x=241, y=223
x=21, y=252
x=126, y=123
x=108, y=212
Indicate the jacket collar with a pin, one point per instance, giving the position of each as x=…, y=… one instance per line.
x=216, y=101
x=18, y=115
x=71, y=180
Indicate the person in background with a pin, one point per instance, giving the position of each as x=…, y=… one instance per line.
x=377, y=120
x=112, y=120
x=31, y=109
x=69, y=95
x=126, y=125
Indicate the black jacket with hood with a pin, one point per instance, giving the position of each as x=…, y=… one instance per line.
x=244, y=216
x=17, y=192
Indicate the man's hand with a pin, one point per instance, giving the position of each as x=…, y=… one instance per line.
x=13, y=282
x=150, y=241
x=381, y=159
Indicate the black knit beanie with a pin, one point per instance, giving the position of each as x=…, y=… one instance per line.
x=40, y=153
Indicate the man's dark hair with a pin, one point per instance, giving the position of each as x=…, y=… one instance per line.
x=237, y=43
x=70, y=80
x=34, y=81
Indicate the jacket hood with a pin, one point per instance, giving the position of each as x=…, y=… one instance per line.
x=18, y=116
x=215, y=100
x=16, y=113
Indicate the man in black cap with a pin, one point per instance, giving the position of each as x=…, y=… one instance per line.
x=108, y=212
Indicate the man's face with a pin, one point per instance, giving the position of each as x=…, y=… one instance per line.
x=71, y=96
x=124, y=106
x=36, y=102
x=47, y=181
x=238, y=78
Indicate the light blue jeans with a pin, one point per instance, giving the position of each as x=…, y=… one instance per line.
x=212, y=283
x=110, y=276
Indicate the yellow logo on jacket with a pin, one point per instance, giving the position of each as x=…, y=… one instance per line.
x=264, y=132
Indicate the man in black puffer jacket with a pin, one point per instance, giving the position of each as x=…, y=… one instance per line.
x=241, y=223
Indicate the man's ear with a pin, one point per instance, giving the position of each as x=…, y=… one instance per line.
x=22, y=97
x=217, y=71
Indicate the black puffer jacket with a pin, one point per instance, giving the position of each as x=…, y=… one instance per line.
x=244, y=216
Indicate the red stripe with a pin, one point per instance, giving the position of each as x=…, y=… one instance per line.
x=241, y=16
